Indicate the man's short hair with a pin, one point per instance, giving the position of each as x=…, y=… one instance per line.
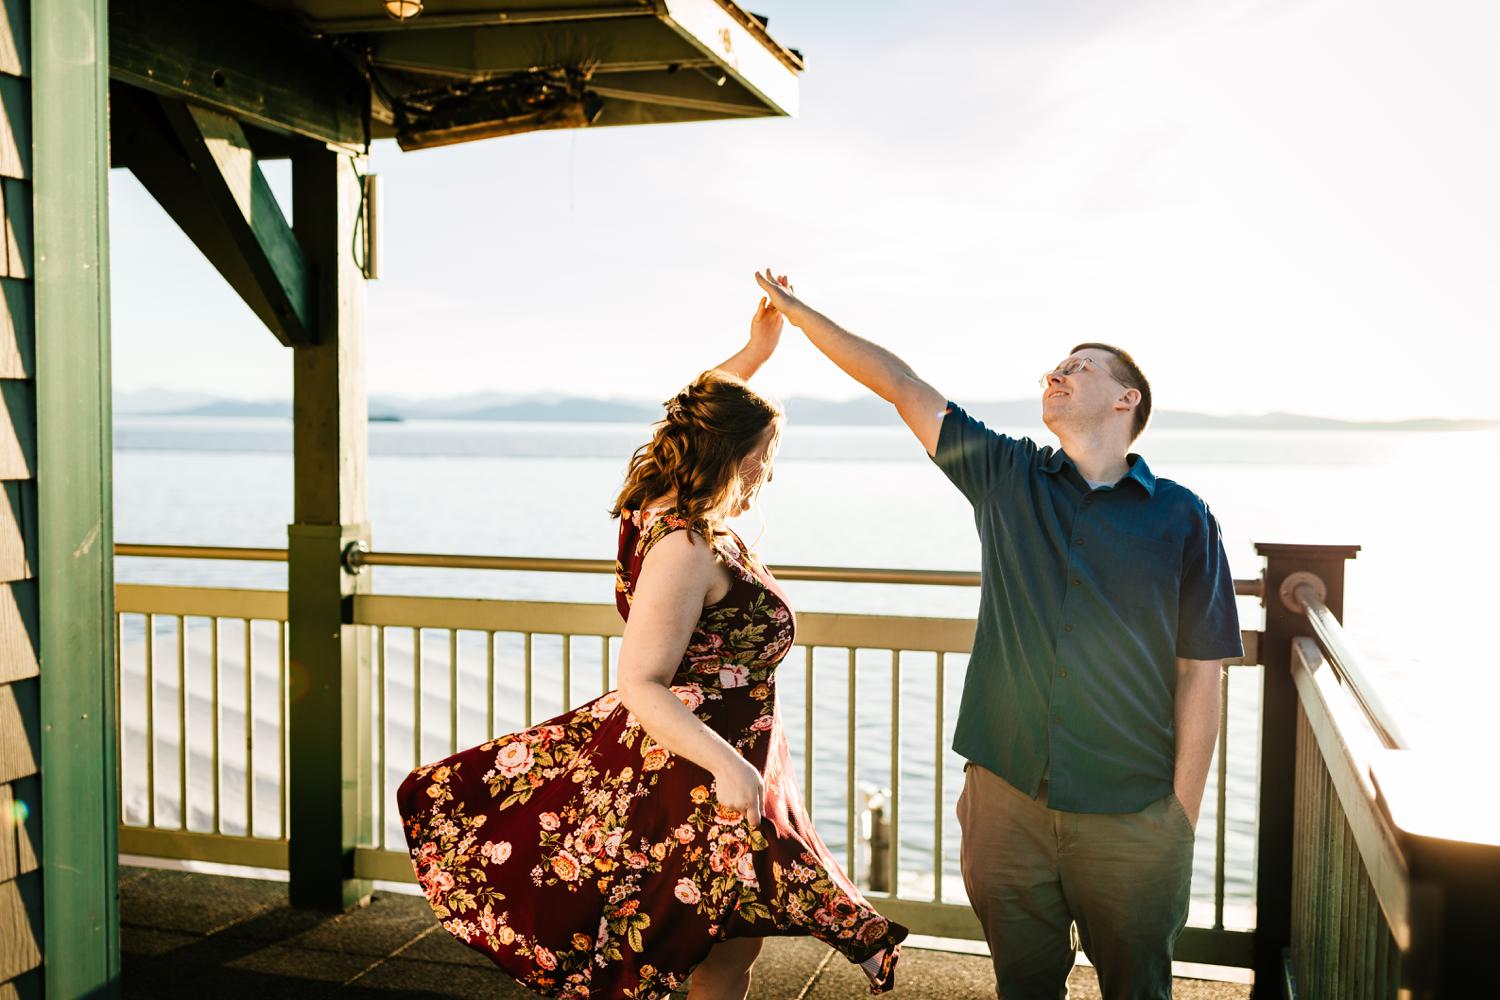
x=1123, y=367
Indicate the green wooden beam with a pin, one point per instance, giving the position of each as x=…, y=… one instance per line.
x=198, y=164
x=244, y=61
x=217, y=148
x=329, y=763
x=75, y=534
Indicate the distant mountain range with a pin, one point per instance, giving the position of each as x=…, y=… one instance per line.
x=863, y=412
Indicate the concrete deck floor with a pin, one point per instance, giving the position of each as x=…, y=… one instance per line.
x=192, y=935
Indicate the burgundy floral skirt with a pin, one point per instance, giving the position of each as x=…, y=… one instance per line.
x=588, y=861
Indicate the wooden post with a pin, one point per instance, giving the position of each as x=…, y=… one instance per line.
x=57, y=224
x=1278, y=748
x=329, y=686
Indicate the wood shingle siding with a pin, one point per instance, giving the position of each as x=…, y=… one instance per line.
x=17, y=199
x=15, y=135
x=20, y=711
x=17, y=534
x=18, y=631
x=17, y=345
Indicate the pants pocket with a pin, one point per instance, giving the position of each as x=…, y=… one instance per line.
x=1185, y=825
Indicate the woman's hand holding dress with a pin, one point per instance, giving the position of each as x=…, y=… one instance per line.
x=740, y=787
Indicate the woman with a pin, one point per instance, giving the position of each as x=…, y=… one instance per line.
x=655, y=831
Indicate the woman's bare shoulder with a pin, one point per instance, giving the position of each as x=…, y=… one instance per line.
x=680, y=551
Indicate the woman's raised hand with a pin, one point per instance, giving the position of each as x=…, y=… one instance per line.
x=765, y=326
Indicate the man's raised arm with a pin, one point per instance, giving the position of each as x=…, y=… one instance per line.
x=880, y=371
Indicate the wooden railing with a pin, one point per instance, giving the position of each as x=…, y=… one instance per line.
x=1370, y=884
x=1360, y=888
x=450, y=672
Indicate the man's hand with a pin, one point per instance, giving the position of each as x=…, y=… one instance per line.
x=780, y=295
x=1191, y=804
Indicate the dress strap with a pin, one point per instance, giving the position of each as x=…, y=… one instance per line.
x=655, y=525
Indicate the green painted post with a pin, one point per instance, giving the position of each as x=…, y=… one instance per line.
x=75, y=537
x=328, y=765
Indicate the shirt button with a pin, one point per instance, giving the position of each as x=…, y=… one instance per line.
x=1078, y=541
x=1057, y=719
x=1062, y=672
x=1068, y=627
x=1077, y=583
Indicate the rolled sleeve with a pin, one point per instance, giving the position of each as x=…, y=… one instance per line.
x=1208, y=623
x=974, y=457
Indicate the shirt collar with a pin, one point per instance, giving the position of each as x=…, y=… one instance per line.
x=1139, y=470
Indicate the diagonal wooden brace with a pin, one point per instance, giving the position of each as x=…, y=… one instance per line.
x=199, y=166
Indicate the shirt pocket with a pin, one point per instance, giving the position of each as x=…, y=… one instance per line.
x=1142, y=575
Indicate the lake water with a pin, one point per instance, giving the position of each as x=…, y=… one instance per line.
x=841, y=496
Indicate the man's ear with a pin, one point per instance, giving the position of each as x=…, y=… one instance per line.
x=1128, y=400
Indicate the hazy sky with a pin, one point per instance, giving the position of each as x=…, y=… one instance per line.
x=1274, y=205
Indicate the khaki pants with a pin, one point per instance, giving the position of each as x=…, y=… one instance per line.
x=1033, y=872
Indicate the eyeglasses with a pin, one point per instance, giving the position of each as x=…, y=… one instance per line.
x=1073, y=368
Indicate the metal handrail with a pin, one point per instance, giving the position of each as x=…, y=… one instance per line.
x=200, y=552
x=1330, y=636
x=359, y=558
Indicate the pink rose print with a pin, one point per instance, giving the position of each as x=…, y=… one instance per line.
x=691, y=695
x=687, y=892
x=513, y=759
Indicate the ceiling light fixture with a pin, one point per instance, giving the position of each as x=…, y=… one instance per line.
x=403, y=10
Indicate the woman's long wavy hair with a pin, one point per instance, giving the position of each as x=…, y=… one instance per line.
x=695, y=451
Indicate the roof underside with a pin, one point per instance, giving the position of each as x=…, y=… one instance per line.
x=463, y=70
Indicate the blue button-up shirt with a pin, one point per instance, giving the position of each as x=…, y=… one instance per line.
x=1088, y=598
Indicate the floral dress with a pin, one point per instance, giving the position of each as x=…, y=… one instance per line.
x=588, y=861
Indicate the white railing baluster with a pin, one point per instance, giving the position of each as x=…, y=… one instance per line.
x=150, y=720
x=939, y=689
x=213, y=666
x=249, y=732
x=894, y=848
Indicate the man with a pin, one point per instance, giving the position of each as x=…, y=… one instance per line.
x=1091, y=703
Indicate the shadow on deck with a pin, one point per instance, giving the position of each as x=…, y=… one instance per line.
x=193, y=935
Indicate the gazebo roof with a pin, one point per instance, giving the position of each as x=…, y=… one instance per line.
x=464, y=69
x=343, y=72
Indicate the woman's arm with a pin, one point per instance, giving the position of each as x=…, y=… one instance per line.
x=675, y=577
x=765, y=334
x=874, y=367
